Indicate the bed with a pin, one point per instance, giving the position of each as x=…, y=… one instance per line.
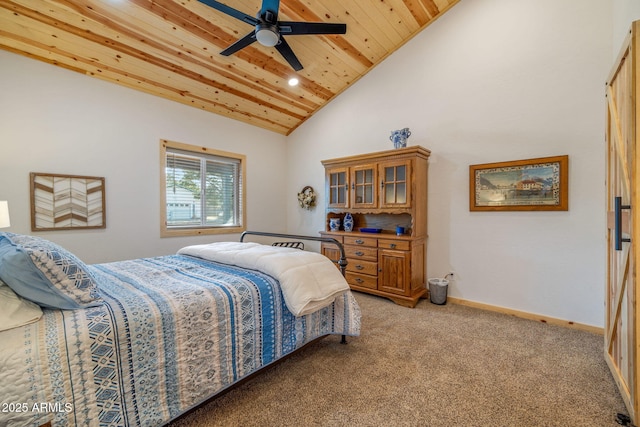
x=143, y=341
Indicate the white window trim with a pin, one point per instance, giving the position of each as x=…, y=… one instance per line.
x=197, y=231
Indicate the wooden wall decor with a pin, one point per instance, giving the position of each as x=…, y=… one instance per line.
x=66, y=202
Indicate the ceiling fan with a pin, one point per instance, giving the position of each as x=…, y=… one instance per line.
x=269, y=31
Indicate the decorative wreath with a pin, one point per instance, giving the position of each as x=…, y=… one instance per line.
x=307, y=197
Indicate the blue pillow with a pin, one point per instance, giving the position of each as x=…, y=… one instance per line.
x=45, y=273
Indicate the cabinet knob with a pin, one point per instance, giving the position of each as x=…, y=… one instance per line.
x=392, y=245
x=359, y=280
x=359, y=267
x=359, y=253
x=359, y=242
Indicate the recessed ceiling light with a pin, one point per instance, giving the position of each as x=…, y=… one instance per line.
x=293, y=81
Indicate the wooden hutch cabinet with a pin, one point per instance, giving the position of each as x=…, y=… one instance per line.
x=382, y=191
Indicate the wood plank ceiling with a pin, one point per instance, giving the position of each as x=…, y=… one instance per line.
x=170, y=48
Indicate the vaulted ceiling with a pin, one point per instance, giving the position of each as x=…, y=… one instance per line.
x=171, y=48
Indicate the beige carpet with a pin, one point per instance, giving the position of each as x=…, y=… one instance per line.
x=434, y=365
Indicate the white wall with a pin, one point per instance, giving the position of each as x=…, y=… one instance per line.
x=624, y=13
x=56, y=121
x=492, y=80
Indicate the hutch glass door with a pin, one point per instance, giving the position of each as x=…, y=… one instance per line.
x=363, y=186
x=338, y=186
x=395, y=184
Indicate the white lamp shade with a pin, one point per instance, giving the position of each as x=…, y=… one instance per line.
x=4, y=214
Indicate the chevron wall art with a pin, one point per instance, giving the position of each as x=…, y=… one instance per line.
x=64, y=202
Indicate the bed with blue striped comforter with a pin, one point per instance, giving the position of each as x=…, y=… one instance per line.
x=172, y=332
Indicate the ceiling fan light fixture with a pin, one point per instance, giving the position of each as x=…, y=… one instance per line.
x=267, y=35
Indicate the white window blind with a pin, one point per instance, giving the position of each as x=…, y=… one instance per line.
x=202, y=190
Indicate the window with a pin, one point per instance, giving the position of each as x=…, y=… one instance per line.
x=201, y=190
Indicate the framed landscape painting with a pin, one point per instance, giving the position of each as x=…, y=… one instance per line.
x=540, y=184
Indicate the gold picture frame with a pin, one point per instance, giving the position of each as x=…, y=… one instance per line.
x=540, y=184
x=67, y=202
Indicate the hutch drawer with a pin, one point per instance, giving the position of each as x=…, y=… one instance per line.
x=362, y=280
x=400, y=245
x=361, y=241
x=360, y=252
x=364, y=267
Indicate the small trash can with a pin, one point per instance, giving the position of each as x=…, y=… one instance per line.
x=438, y=291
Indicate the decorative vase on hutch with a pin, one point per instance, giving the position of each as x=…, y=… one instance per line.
x=399, y=137
x=348, y=222
x=334, y=224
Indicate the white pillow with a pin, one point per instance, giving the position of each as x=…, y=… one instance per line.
x=16, y=311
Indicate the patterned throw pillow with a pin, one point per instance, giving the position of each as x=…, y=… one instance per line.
x=45, y=273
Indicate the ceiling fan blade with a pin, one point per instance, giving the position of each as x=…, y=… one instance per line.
x=296, y=28
x=242, y=43
x=272, y=6
x=230, y=11
x=285, y=50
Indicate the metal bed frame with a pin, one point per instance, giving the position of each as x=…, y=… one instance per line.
x=295, y=245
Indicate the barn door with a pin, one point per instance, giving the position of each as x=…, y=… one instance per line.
x=621, y=328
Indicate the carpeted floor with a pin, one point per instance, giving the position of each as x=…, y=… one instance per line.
x=434, y=365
